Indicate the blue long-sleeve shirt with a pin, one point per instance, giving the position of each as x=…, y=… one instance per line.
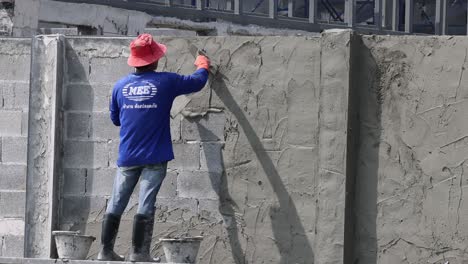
x=141, y=105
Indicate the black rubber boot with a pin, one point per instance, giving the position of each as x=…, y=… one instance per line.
x=110, y=227
x=141, y=239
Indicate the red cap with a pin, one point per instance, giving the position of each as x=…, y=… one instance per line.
x=144, y=51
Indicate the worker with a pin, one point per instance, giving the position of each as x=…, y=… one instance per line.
x=140, y=105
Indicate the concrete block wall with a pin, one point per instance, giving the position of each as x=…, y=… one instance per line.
x=14, y=93
x=264, y=174
x=90, y=140
x=245, y=165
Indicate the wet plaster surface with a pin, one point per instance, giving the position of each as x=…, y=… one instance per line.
x=256, y=138
x=411, y=183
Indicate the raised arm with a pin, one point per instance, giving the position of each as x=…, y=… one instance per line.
x=186, y=84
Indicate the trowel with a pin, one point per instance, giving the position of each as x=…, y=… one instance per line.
x=182, y=101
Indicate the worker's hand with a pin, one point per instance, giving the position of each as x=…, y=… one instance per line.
x=202, y=62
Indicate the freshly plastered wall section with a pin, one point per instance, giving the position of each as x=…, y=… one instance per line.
x=247, y=173
x=15, y=56
x=411, y=181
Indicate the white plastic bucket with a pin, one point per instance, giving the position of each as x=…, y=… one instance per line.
x=72, y=245
x=183, y=250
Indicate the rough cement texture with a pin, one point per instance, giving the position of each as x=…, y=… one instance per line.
x=43, y=145
x=247, y=172
x=245, y=175
x=330, y=192
x=26, y=18
x=261, y=177
x=14, y=93
x=267, y=173
x=411, y=182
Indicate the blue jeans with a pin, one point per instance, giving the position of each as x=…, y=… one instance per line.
x=125, y=181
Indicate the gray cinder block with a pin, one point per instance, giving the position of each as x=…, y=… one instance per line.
x=12, y=177
x=74, y=181
x=24, y=123
x=187, y=156
x=12, y=204
x=113, y=146
x=78, y=209
x=16, y=95
x=14, y=149
x=211, y=157
x=99, y=182
x=199, y=184
x=86, y=97
x=78, y=125
x=103, y=128
x=10, y=123
x=85, y=154
x=208, y=128
x=176, y=129
x=169, y=186
x=13, y=246
x=14, y=67
x=100, y=72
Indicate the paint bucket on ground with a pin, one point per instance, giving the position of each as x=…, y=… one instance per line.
x=181, y=250
x=72, y=245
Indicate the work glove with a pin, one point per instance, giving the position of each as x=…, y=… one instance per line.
x=202, y=62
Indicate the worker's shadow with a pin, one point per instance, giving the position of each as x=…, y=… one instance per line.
x=289, y=234
x=226, y=204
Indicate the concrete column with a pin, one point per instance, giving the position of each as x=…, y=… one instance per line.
x=333, y=175
x=26, y=19
x=44, y=144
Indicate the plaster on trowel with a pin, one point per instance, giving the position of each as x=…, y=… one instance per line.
x=182, y=101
